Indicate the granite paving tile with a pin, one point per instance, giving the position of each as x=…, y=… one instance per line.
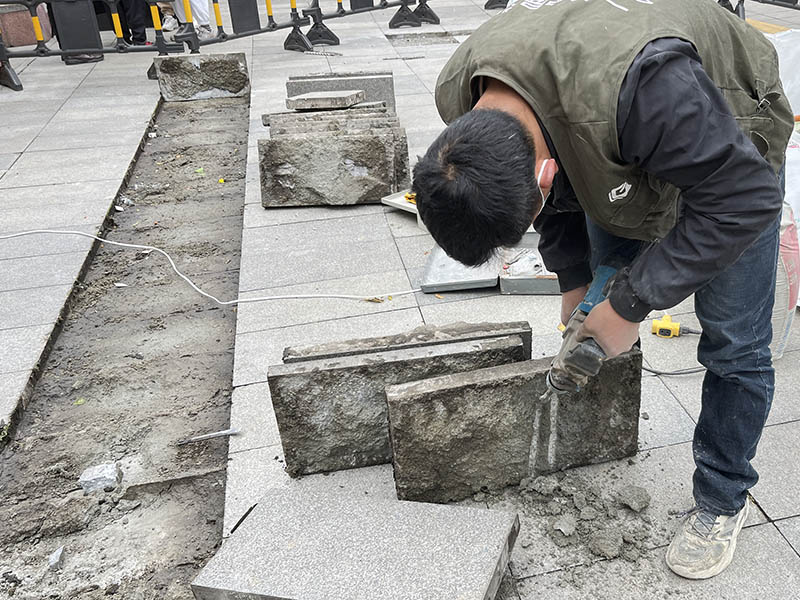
x=64, y=168
x=22, y=347
x=40, y=271
x=414, y=250
x=764, y=567
x=779, y=471
x=273, y=314
x=542, y=312
x=688, y=388
x=257, y=350
x=662, y=420
x=12, y=386
x=252, y=414
x=666, y=473
x=6, y=160
x=305, y=252
x=790, y=528
x=46, y=244
x=41, y=198
x=75, y=214
x=253, y=473
x=23, y=308
x=72, y=135
x=256, y=215
x=127, y=113
x=402, y=223
x=17, y=138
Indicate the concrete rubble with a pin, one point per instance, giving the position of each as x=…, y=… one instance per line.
x=333, y=545
x=202, y=76
x=100, y=478
x=56, y=560
x=325, y=100
x=331, y=412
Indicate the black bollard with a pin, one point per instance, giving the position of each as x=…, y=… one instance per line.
x=404, y=17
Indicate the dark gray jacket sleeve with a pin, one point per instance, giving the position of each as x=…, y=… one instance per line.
x=674, y=122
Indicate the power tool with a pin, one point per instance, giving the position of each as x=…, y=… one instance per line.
x=577, y=361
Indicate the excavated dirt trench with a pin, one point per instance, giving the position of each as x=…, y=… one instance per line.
x=141, y=362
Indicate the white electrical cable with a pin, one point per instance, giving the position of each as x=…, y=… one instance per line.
x=374, y=297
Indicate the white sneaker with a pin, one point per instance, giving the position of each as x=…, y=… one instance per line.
x=204, y=32
x=170, y=23
x=705, y=543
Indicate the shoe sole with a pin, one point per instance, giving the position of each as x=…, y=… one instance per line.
x=726, y=559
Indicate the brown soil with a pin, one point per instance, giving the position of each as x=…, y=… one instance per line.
x=133, y=370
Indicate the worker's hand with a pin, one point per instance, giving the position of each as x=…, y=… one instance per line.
x=571, y=299
x=614, y=334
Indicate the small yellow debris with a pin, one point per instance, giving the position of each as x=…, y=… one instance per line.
x=411, y=198
x=222, y=180
x=79, y=401
x=439, y=296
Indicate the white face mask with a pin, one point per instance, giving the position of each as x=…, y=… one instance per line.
x=539, y=183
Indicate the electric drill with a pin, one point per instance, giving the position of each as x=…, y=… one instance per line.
x=577, y=361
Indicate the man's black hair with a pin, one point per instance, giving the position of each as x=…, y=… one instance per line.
x=476, y=187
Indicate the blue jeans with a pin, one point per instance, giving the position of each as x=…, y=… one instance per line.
x=735, y=311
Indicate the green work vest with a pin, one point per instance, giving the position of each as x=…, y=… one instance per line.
x=568, y=58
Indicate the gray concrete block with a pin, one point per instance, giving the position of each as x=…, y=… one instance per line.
x=13, y=387
x=366, y=109
x=340, y=126
x=325, y=100
x=377, y=86
x=332, y=414
x=18, y=309
x=455, y=435
x=333, y=545
x=252, y=415
x=23, y=347
x=425, y=335
x=202, y=76
x=332, y=169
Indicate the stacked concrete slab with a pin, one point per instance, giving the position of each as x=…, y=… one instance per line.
x=329, y=400
x=337, y=156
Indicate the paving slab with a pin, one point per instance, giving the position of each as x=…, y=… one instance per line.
x=306, y=252
x=22, y=347
x=40, y=271
x=253, y=416
x=790, y=528
x=334, y=545
x=12, y=388
x=662, y=419
x=778, y=470
x=7, y=159
x=272, y=314
x=332, y=412
x=62, y=166
x=18, y=308
x=257, y=350
x=442, y=273
x=666, y=474
x=325, y=100
x=254, y=473
x=377, y=86
x=785, y=408
x=764, y=567
x=256, y=215
x=426, y=335
x=42, y=198
x=74, y=214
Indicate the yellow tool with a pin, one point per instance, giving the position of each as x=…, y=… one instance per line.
x=411, y=198
x=665, y=327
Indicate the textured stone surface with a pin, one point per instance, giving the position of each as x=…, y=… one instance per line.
x=455, y=435
x=333, y=545
x=201, y=76
x=424, y=335
x=377, y=86
x=332, y=169
x=100, y=478
x=363, y=109
x=332, y=414
x=325, y=100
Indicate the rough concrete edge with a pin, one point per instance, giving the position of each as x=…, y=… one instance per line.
x=8, y=430
x=503, y=561
x=302, y=353
x=246, y=92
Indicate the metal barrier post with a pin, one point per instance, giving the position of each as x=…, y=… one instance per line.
x=404, y=17
x=8, y=76
x=492, y=4
x=218, y=18
x=37, y=28
x=339, y=8
x=271, y=24
x=319, y=32
x=426, y=14
x=190, y=37
x=114, y=6
x=297, y=41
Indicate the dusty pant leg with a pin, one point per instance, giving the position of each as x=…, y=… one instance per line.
x=200, y=12
x=735, y=311
x=166, y=8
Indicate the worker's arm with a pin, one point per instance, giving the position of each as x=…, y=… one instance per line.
x=674, y=122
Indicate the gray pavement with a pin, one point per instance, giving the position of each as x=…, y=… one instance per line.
x=67, y=142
